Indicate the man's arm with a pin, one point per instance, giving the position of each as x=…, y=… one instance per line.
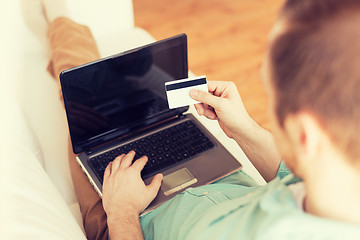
x=259, y=146
x=125, y=196
x=223, y=103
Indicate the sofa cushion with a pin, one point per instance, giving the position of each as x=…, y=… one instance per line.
x=34, y=207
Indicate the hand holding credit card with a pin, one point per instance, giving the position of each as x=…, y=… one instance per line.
x=178, y=91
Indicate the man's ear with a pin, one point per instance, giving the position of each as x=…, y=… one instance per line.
x=305, y=133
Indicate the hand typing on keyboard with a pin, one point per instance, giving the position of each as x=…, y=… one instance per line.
x=124, y=192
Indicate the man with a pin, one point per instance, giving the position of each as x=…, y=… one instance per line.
x=312, y=79
x=311, y=74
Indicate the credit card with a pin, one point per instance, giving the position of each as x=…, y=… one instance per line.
x=178, y=91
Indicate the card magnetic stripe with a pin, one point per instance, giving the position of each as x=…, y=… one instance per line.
x=186, y=84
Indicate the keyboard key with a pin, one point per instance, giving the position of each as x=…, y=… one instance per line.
x=192, y=152
x=179, y=158
x=153, y=161
x=95, y=163
x=185, y=155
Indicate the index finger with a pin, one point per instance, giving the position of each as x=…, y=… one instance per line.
x=127, y=160
x=140, y=163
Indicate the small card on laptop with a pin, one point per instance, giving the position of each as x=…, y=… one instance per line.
x=178, y=91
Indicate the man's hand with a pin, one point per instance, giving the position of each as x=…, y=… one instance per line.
x=125, y=195
x=223, y=103
x=123, y=187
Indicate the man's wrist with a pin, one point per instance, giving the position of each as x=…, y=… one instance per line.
x=124, y=224
x=247, y=131
x=125, y=214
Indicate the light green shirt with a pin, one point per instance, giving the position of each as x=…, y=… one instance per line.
x=237, y=208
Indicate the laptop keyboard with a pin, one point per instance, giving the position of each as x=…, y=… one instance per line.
x=163, y=149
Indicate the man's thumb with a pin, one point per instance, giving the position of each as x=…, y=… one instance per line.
x=204, y=97
x=155, y=184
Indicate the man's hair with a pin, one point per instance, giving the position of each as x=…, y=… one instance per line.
x=315, y=67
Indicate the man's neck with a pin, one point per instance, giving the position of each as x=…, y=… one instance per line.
x=334, y=192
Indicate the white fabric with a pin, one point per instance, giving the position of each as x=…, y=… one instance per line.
x=103, y=16
x=33, y=207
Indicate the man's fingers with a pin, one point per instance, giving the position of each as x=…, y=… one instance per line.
x=116, y=162
x=210, y=113
x=213, y=85
x=127, y=160
x=199, y=108
x=140, y=163
x=204, y=97
x=107, y=171
x=155, y=184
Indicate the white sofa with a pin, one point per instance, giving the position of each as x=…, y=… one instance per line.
x=37, y=197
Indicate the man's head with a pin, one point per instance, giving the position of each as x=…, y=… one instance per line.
x=314, y=70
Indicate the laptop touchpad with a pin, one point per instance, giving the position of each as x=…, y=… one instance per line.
x=177, y=181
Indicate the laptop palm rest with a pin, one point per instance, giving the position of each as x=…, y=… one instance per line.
x=177, y=181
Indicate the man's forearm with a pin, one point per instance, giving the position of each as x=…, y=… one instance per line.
x=259, y=146
x=125, y=226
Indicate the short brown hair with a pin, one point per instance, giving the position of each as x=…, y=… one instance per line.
x=315, y=66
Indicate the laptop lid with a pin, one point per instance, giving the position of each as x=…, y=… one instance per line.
x=116, y=95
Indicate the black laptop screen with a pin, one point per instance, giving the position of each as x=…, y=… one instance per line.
x=119, y=94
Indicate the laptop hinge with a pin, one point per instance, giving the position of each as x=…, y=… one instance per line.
x=181, y=115
x=88, y=152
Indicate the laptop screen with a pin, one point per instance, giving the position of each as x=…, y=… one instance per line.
x=113, y=96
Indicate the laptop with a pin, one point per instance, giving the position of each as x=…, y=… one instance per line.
x=118, y=103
